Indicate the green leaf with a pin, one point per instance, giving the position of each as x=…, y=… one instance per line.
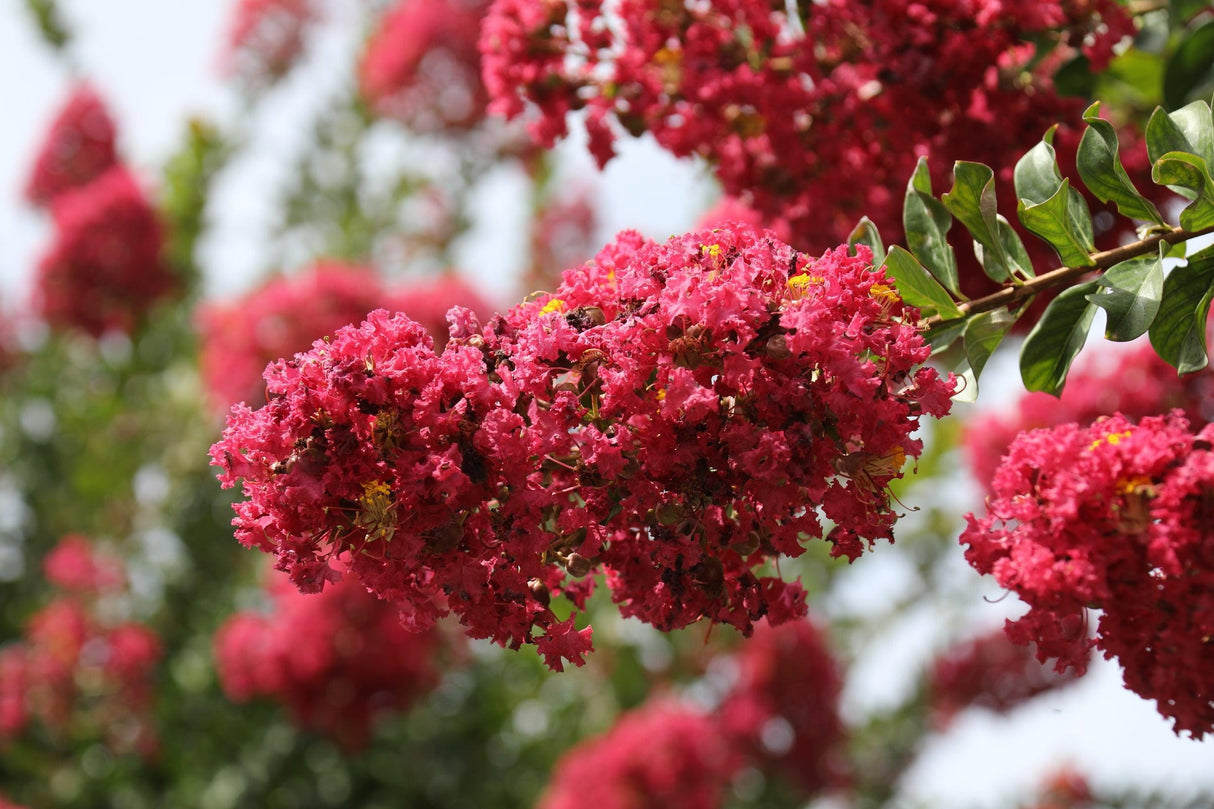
x=1053, y=220
x=1179, y=330
x=967, y=356
x=1014, y=247
x=1190, y=71
x=927, y=223
x=1057, y=338
x=1188, y=129
x=865, y=232
x=1100, y=167
x=1184, y=170
x=1130, y=294
x=917, y=286
x=1036, y=174
x=972, y=202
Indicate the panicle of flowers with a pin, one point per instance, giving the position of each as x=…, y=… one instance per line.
x=675, y=416
x=422, y=65
x=1111, y=517
x=661, y=755
x=783, y=711
x=265, y=39
x=104, y=271
x=74, y=669
x=991, y=672
x=775, y=101
x=286, y=314
x=1135, y=383
x=338, y=660
x=78, y=147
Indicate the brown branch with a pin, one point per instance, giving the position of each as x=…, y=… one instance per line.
x=1063, y=275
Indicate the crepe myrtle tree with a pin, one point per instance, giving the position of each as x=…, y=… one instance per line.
x=676, y=415
x=705, y=429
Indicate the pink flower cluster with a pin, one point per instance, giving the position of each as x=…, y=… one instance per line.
x=783, y=712
x=793, y=110
x=675, y=415
x=265, y=38
x=338, y=660
x=781, y=715
x=1112, y=517
x=74, y=669
x=104, y=270
x=422, y=65
x=287, y=314
x=661, y=755
x=1136, y=384
x=991, y=672
x=77, y=149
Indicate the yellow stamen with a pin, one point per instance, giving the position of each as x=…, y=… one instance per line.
x=554, y=305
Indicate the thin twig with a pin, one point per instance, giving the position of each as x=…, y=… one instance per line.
x=1064, y=275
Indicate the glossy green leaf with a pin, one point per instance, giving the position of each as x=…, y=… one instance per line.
x=1190, y=70
x=967, y=355
x=1056, y=340
x=1130, y=294
x=1036, y=174
x=1188, y=129
x=1179, y=330
x=927, y=223
x=1053, y=221
x=865, y=232
x=917, y=286
x=1099, y=166
x=972, y=202
x=1183, y=170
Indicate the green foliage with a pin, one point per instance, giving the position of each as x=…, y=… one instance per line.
x=927, y=222
x=1099, y=164
x=972, y=202
x=1178, y=332
x=1056, y=339
x=1130, y=295
x=917, y=286
x=1190, y=71
x=49, y=22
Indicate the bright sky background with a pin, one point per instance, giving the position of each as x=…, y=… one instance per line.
x=154, y=62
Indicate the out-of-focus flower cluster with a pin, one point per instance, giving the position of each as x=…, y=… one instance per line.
x=76, y=671
x=1065, y=788
x=77, y=149
x=1112, y=517
x=265, y=39
x=989, y=672
x=793, y=104
x=422, y=66
x=675, y=415
x=1135, y=384
x=104, y=269
x=287, y=314
x=338, y=660
x=780, y=716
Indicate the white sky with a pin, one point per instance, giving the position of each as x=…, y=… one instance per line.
x=153, y=60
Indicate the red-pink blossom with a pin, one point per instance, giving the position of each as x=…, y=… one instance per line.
x=265, y=38
x=1136, y=384
x=104, y=271
x=78, y=148
x=1064, y=788
x=422, y=65
x=1111, y=517
x=75, y=566
x=675, y=415
x=287, y=314
x=815, y=117
x=74, y=665
x=338, y=660
x=784, y=709
x=660, y=756
x=991, y=672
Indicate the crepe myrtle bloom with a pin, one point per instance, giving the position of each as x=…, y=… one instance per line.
x=673, y=416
